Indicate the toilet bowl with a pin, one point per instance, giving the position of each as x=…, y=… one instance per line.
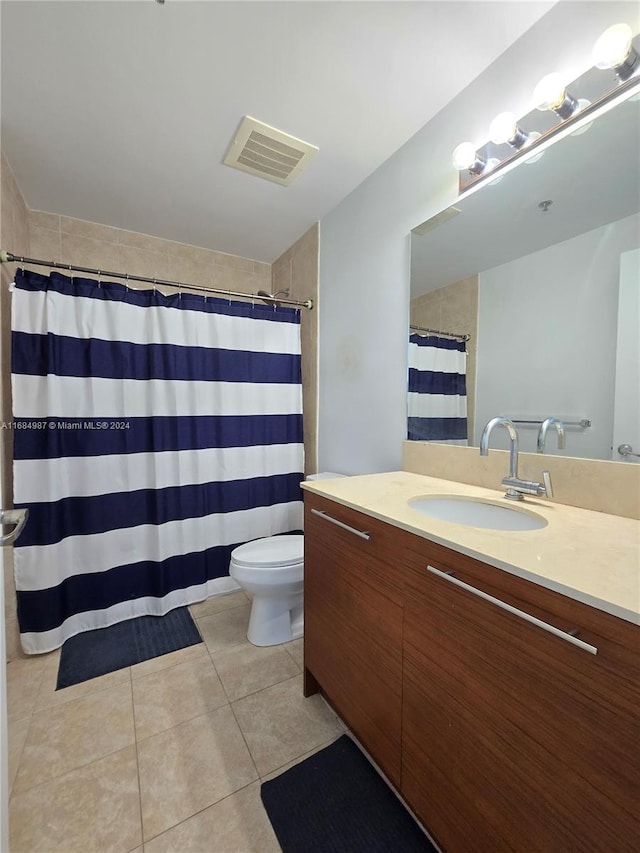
x=272, y=569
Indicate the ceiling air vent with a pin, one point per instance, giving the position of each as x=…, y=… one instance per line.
x=268, y=153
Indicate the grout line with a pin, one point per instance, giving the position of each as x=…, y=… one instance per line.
x=135, y=741
x=200, y=811
x=213, y=664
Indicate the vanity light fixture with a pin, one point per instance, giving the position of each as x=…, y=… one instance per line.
x=465, y=156
x=551, y=94
x=614, y=50
x=504, y=128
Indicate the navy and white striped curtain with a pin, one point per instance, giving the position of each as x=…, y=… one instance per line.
x=153, y=434
x=437, y=398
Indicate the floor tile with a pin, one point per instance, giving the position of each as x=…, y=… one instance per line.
x=172, y=696
x=237, y=824
x=265, y=777
x=246, y=669
x=195, y=652
x=225, y=629
x=279, y=724
x=93, y=809
x=296, y=650
x=48, y=696
x=17, y=737
x=191, y=766
x=76, y=733
x=23, y=683
x=218, y=603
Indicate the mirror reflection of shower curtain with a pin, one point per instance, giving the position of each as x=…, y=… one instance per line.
x=153, y=434
x=437, y=398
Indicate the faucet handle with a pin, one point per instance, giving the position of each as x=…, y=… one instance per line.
x=546, y=479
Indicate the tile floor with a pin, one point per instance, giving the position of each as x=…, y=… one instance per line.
x=165, y=756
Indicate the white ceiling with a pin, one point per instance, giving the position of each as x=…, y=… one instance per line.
x=121, y=112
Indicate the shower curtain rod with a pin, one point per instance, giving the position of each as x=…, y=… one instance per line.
x=8, y=257
x=464, y=337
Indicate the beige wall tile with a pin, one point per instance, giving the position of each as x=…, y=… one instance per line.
x=143, y=241
x=190, y=767
x=220, y=259
x=229, y=278
x=83, y=228
x=194, y=254
x=141, y=262
x=45, y=244
x=40, y=219
x=94, y=808
x=281, y=274
x=86, y=252
x=196, y=270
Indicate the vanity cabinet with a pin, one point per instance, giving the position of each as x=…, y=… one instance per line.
x=353, y=625
x=513, y=738
x=499, y=733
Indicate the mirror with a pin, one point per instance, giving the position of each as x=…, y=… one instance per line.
x=536, y=267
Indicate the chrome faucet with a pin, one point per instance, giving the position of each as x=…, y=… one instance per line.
x=516, y=487
x=542, y=433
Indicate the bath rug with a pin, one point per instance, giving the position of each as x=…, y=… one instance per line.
x=98, y=652
x=335, y=801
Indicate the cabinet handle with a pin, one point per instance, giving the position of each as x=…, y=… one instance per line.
x=564, y=635
x=361, y=533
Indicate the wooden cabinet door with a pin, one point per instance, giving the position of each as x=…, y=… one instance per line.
x=514, y=739
x=353, y=626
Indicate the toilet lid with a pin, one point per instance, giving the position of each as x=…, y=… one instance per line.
x=273, y=551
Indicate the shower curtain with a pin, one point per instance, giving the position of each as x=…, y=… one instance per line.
x=153, y=434
x=437, y=398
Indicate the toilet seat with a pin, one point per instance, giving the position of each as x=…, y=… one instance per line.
x=271, y=552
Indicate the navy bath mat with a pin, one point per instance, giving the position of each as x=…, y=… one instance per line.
x=95, y=653
x=334, y=802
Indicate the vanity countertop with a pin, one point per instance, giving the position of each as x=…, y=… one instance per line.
x=590, y=556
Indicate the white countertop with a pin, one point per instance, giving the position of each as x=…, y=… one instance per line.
x=590, y=556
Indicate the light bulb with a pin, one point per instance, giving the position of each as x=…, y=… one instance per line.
x=613, y=46
x=504, y=128
x=550, y=92
x=615, y=50
x=464, y=156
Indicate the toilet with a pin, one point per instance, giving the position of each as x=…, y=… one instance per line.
x=272, y=570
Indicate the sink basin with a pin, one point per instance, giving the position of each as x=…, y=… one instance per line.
x=477, y=512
